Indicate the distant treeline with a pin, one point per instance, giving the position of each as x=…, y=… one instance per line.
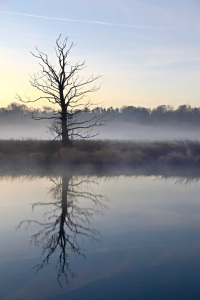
x=163, y=114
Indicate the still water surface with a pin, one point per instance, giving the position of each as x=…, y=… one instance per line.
x=99, y=238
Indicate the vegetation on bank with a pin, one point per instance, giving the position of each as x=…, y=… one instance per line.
x=26, y=153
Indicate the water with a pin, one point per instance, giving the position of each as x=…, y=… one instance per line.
x=89, y=237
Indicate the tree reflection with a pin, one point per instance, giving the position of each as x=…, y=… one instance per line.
x=66, y=222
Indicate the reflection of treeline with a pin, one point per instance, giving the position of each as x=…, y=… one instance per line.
x=164, y=114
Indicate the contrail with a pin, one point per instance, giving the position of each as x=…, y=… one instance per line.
x=83, y=21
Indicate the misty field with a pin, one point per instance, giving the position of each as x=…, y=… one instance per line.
x=25, y=153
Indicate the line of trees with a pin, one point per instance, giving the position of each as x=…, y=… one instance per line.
x=162, y=114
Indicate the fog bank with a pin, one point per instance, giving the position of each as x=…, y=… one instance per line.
x=113, y=131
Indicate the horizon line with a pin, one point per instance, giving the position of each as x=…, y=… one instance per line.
x=85, y=21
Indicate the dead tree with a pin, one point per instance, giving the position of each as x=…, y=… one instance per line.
x=62, y=86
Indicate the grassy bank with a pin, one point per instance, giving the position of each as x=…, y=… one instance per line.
x=28, y=152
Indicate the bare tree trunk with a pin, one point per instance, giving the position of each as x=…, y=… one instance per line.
x=66, y=142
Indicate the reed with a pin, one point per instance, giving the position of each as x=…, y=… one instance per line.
x=27, y=152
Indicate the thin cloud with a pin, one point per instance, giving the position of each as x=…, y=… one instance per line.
x=83, y=21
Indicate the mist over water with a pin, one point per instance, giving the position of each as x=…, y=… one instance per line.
x=126, y=123
x=113, y=131
x=27, y=131
x=134, y=131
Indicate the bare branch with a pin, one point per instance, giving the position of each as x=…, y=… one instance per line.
x=62, y=86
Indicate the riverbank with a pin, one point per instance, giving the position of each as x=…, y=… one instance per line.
x=26, y=153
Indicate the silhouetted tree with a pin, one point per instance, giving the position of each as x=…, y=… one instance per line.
x=62, y=86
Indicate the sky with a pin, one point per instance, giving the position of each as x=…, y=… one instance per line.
x=148, y=51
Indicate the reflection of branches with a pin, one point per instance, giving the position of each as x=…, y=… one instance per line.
x=66, y=222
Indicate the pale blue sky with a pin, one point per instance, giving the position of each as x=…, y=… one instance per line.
x=148, y=52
